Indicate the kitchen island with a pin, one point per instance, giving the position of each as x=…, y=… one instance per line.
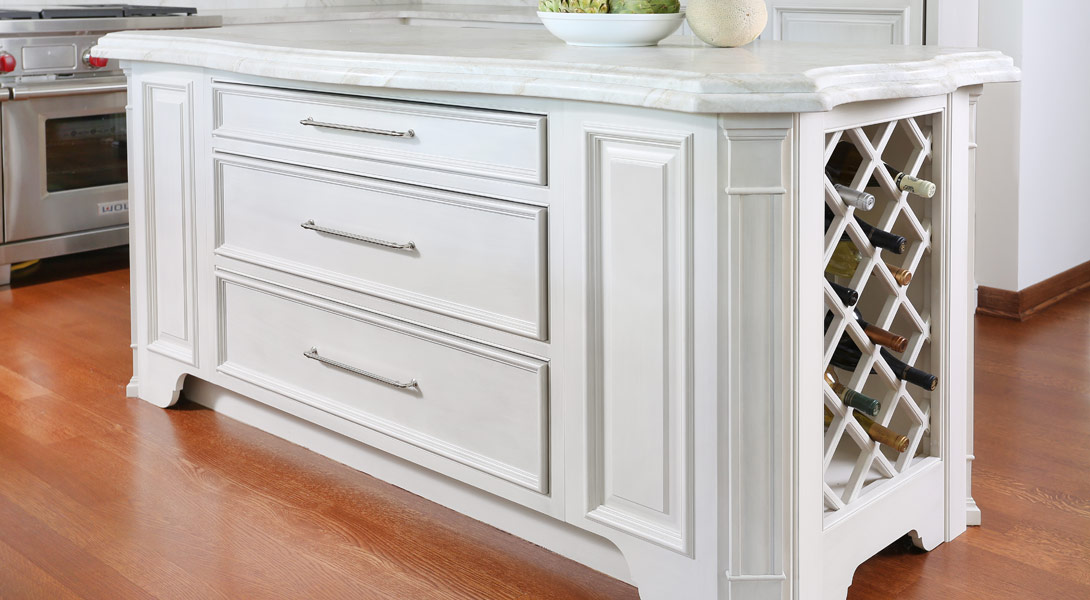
x=575, y=293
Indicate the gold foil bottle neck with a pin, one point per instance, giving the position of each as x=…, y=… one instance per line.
x=902, y=276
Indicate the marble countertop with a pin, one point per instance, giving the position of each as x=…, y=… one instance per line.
x=446, y=12
x=680, y=74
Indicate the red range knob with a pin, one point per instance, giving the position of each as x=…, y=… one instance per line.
x=7, y=62
x=93, y=61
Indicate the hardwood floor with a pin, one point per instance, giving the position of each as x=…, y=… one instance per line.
x=107, y=497
x=1031, y=476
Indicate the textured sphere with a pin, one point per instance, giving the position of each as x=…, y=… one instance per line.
x=727, y=23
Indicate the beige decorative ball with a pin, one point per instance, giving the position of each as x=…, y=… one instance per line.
x=727, y=23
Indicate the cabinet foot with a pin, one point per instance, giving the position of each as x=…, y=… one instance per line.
x=662, y=574
x=926, y=538
x=836, y=586
x=5, y=275
x=163, y=392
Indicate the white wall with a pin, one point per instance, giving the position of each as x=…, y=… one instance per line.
x=1033, y=209
x=1054, y=204
x=998, y=129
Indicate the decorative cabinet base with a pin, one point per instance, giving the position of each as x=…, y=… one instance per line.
x=608, y=340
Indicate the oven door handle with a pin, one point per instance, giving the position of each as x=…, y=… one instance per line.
x=69, y=88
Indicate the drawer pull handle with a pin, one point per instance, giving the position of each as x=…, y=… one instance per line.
x=313, y=355
x=312, y=123
x=410, y=245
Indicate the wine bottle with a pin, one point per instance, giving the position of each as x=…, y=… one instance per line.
x=879, y=237
x=846, y=259
x=846, y=356
x=845, y=163
x=853, y=197
x=877, y=335
x=876, y=432
x=851, y=397
x=846, y=294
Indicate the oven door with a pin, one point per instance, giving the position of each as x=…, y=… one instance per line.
x=64, y=156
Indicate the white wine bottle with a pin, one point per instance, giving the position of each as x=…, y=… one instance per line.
x=846, y=259
x=845, y=163
x=879, y=433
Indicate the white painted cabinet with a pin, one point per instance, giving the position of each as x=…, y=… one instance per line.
x=596, y=326
x=858, y=22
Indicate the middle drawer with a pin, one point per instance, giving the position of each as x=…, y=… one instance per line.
x=473, y=258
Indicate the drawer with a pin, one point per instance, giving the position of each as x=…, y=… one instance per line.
x=472, y=258
x=470, y=403
x=485, y=143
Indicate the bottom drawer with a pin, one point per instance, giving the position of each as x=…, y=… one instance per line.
x=474, y=404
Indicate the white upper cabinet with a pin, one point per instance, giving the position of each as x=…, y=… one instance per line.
x=862, y=22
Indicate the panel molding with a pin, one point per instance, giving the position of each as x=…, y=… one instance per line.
x=892, y=21
x=537, y=175
x=640, y=450
x=536, y=328
x=537, y=482
x=160, y=99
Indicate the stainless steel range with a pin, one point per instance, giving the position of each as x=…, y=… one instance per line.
x=62, y=127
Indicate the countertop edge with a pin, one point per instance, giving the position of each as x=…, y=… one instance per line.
x=493, y=14
x=676, y=90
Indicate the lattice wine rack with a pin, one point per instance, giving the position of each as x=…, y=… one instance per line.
x=855, y=466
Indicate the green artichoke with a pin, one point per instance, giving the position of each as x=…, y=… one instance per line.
x=643, y=7
x=574, y=6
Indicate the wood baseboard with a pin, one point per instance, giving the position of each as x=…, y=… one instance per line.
x=1023, y=304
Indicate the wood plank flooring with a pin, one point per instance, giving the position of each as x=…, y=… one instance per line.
x=111, y=498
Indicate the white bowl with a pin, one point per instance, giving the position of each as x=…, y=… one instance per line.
x=580, y=29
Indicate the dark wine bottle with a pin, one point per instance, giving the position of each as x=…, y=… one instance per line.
x=846, y=356
x=851, y=397
x=878, y=433
x=879, y=237
x=846, y=294
x=845, y=162
x=877, y=335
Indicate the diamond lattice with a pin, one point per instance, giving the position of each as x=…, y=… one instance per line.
x=854, y=464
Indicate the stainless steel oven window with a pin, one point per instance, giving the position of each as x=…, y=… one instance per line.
x=85, y=152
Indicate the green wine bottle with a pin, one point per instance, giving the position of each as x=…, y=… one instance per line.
x=851, y=397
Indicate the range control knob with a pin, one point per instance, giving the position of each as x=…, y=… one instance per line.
x=93, y=61
x=7, y=62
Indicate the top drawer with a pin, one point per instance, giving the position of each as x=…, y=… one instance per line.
x=484, y=143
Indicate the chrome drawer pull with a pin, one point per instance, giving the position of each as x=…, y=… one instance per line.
x=410, y=245
x=313, y=355
x=312, y=123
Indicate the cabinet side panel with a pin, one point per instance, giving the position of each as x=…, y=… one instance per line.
x=168, y=145
x=641, y=399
